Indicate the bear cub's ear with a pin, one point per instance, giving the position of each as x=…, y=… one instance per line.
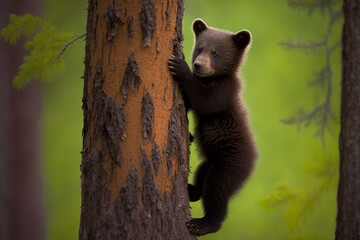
x=198, y=26
x=242, y=38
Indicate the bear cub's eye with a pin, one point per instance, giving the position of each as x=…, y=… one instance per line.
x=214, y=54
x=198, y=50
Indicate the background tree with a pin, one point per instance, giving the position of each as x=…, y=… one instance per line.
x=135, y=147
x=21, y=187
x=348, y=218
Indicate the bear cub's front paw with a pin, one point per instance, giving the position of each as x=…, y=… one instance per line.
x=177, y=67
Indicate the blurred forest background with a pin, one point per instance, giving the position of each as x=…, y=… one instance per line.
x=292, y=193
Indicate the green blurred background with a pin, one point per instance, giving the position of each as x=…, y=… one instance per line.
x=276, y=85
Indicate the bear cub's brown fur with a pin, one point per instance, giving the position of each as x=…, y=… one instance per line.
x=222, y=130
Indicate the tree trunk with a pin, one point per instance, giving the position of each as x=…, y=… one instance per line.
x=21, y=192
x=135, y=138
x=348, y=219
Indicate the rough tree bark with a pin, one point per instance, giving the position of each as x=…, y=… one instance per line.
x=135, y=139
x=21, y=192
x=348, y=219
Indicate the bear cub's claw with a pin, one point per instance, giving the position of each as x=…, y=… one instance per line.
x=176, y=66
x=202, y=226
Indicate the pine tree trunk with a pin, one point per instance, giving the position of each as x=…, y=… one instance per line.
x=348, y=219
x=135, y=138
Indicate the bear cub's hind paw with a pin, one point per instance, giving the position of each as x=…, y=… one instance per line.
x=202, y=226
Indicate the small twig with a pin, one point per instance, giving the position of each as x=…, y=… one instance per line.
x=67, y=45
x=302, y=46
x=334, y=47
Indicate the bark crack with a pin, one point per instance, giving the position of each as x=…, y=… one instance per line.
x=147, y=115
x=148, y=22
x=131, y=78
x=114, y=21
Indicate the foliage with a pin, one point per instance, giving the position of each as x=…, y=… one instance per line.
x=299, y=205
x=24, y=25
x=281, y=195
x=45, y=47
x=322, y=113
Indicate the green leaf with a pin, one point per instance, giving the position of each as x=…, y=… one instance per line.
x=299, y=210
x=280, y=196
x=40, y=63
x=20, y=25
x=45, y=48
x=323, y=167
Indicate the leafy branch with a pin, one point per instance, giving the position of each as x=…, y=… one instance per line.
x=298, y=205
x=322, y=113
x=45, y=46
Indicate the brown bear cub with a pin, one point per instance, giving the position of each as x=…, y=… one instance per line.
x=222, y=129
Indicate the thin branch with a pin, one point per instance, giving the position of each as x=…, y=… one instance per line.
x=305, y=118
x=293, y=44
x=322, y=113
x=67, y=45
x=334, y=47
x=310, y=6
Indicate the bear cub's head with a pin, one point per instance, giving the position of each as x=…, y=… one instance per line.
x=217, y=52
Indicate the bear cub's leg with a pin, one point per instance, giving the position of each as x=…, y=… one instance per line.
x=218, y=187
x=194, y=193
x=196, y=190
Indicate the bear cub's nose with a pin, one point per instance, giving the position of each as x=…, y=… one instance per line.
x=197, y=66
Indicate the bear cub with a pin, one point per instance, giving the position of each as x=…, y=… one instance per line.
x=222, y=130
